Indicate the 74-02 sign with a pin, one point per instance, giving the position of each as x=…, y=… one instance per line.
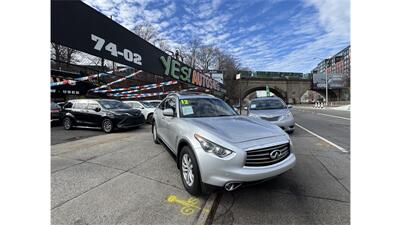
x=112, y=48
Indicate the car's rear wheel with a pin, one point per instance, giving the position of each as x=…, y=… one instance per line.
x=155, y=135
x=190, y=172
x=67, y=123
x=107, y=125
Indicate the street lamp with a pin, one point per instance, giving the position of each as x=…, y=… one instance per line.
x=326, y=80
x=240, y=93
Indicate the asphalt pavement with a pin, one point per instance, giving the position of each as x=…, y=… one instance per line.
x=316, y=191
x=59, y=135
x=121, y=178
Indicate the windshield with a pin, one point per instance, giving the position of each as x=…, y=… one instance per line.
x=204, y=107
x=149, y=104
x=112, y=104
x=267, y=104
x=55, y=106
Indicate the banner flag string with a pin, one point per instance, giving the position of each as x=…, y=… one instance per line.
x=137, y=88
x=117, y=81
x=100, y=74
x=64, y=82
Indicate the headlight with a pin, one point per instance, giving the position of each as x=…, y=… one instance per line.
x=211, y=147
x=287, y=116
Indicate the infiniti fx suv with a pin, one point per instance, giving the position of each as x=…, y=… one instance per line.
x=274, y=110
x=215, y=146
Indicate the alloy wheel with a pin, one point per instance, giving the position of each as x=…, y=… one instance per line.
x=107, y=125
x=67, y=123
x=187, y=169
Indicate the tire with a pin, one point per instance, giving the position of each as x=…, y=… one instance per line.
x=67, y=123
x=290, y=131
x=149, y=118
x=107, y=125
x=154, y=132
x=190, y=172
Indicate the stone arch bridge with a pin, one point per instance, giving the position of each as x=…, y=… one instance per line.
x=290, y=89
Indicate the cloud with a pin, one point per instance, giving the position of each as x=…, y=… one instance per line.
x=271, y=35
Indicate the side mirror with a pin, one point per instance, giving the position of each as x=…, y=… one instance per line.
x=97, y=109
x=290, y=106
x=168, y=112
x=141, y=107
x=245, y=108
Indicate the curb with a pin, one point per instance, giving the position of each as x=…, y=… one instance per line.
x=210, y=207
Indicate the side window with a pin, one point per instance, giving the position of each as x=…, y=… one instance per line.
x=68, y=105
x=80, y=105
x=162, y=105
x=93, y=106
x=171, y=104
x=136, y=105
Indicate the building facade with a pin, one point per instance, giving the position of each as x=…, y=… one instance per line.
x=338, y=71
x=337, y=64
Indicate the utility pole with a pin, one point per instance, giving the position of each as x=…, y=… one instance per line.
x=326, y=85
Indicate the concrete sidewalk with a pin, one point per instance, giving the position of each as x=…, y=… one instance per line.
x=120, y=178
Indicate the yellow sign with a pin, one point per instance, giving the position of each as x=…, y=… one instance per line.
x=188, y=206
x=185, y=102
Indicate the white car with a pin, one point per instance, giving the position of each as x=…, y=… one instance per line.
x=146, y=107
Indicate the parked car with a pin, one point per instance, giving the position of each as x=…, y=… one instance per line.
x=146, y=107
x=274, y=110
x=104, y=113
x=55, y=112
x=217, y=147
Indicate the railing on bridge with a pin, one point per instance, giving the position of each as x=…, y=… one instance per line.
x=269, y=74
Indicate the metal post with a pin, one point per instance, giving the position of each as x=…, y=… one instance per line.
x=240, y=97
x=326, y=88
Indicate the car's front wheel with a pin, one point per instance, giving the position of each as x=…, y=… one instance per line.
x=67, y=123
x=107, y=125
x=149, y=118
x=190, y=172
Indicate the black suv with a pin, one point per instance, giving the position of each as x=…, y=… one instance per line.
x=105, y=113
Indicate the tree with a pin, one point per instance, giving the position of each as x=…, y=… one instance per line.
x=149, y=33
x=207, y=57
x=230, y=67
x=190, y=52
x=63, y=54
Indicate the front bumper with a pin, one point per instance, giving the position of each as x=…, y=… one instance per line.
x=286, y=125
x=216, y=171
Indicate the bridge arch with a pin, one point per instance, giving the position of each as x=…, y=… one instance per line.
x=276, y=91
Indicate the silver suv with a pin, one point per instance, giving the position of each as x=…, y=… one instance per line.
x=216, y=146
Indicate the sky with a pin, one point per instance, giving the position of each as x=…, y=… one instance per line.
x=265, y=35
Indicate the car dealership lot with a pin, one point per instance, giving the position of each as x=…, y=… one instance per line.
x=124, y=178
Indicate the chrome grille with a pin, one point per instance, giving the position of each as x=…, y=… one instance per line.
x=263, y=157
x=275, y=118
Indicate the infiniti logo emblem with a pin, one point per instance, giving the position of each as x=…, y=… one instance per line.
x=275, y=154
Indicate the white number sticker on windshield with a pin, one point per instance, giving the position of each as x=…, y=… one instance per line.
x=187, y=110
